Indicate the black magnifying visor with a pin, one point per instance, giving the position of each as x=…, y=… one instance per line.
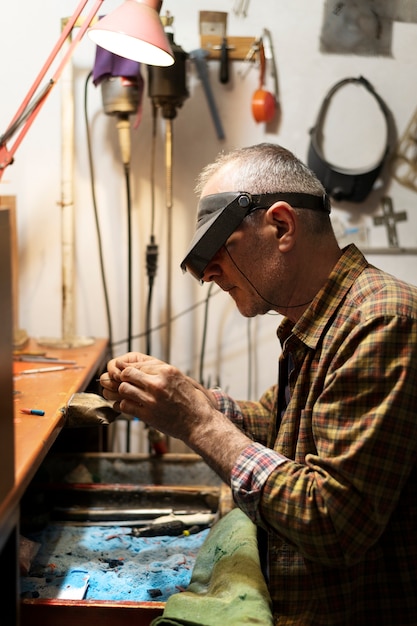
x=220, y=214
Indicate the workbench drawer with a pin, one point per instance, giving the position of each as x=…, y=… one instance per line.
x=107, y=488
x=87, y=612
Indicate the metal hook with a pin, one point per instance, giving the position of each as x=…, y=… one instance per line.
x=241, y=8
x=269, y=55
x=251, y=56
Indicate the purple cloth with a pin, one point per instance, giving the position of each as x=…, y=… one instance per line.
x=109, y=64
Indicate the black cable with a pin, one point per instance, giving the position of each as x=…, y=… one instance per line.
x=153, y=154
x=203, y=341
x=275, y=304
x=98, y=231
x=126, y=166
x=151, y=266
x=129, y=257
x=173, y=319
x=250, y=359
x=152, y=248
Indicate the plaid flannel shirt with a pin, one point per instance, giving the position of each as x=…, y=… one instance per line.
x=335, y=484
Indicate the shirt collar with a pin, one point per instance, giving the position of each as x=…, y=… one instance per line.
x=314, y=320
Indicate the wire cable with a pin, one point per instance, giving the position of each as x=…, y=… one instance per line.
x=98, y=230
x=129, y=257
x=152, y=248
x=204, y=337
x=168, y=168
x=250, y=358
x=173, y=319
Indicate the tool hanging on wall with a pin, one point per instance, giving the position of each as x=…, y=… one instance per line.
x=404, y=162
x=263, y=101
x=265, y=105
x=389, y=218
x=168, y=90
x=224, y=62
x=241, y=8
x=199, y=57
x=250, y=58
x=214, y=23
x=270, y=60
x=218, y=45
x=352, y=185
x=121, y=85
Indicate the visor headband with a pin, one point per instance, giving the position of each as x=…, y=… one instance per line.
x=296, y=200
x=220, y=215
x=341, y=183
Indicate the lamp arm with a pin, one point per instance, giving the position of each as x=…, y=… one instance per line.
x=25, y=114
x=28, y=110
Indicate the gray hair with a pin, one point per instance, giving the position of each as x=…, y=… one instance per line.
x=268, y=168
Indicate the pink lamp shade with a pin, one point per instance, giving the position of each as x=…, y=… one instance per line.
x=134, y=31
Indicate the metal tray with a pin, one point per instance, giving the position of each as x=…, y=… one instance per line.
x=95, y=487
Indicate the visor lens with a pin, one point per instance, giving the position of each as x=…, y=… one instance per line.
x=219, y=215
x=214, y=228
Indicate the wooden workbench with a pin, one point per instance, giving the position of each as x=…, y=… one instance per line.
x=34, y=435
x=49, y=391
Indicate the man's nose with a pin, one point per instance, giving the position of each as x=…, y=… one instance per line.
x=213, y=268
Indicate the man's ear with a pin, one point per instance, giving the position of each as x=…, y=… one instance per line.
x=282, y=216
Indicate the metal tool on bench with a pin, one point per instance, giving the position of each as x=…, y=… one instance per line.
x=174, y=525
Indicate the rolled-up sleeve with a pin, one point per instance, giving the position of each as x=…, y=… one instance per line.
x=249, y=475
x=255, y=464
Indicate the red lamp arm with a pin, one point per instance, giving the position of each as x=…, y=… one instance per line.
x=28, y=110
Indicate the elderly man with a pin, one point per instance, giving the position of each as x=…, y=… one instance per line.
x=325, y=462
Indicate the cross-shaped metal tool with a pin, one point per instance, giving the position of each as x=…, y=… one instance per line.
x=390, y=219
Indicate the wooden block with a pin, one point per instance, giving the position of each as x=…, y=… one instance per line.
x=20, y=337
x=239, y=47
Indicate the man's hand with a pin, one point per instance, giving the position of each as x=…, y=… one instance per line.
x=175, y=404
x=158, y=393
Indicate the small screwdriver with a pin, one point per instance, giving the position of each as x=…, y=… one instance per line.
x=173, y=528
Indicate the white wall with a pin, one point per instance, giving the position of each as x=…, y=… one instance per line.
x=27, y=32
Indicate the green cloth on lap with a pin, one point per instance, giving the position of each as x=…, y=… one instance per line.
x=227, y=585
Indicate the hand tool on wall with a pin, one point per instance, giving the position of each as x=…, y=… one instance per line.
x=263, y=101
x=389, y=219
x=168, y=91
x=214, y=23
x=241, y=8
x=224, y=62
x=405, y=158
x=224, y=53
x=249, y=58
x=270, y=58
x=199, y=57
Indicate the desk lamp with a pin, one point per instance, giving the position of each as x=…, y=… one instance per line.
x=133, y=30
